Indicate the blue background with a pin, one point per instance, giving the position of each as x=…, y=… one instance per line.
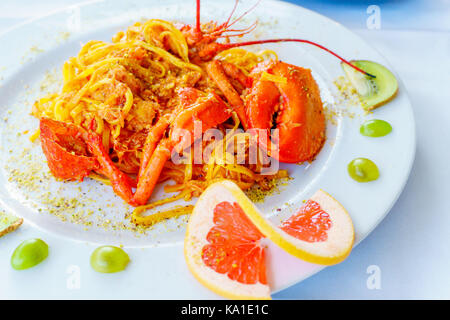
x=396, y=14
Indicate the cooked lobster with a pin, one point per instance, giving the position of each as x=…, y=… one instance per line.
x=293, y=106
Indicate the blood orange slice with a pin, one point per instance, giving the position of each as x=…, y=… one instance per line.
x=223, y=241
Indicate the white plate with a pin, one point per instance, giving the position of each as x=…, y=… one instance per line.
x=36, y=51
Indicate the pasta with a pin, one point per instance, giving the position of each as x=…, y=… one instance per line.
x=120, y=89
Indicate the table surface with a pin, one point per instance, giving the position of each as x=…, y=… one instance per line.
x=407, y=256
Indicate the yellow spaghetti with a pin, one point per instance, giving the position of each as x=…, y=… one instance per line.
x=245, y=60
x=120, y=89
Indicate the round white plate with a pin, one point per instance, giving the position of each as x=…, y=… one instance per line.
x=74, y=218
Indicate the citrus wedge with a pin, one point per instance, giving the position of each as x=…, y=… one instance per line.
x=320, y=232
x=223, y=240
x=222, y=248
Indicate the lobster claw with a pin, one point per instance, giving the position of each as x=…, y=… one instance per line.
x=67, y=153
x=73, y=153
x=300, y=120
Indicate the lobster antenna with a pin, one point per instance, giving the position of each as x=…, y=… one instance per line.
x=198, y=28
x=249, y=43
x=240, y=32
x=232, y=12
x=245, y=13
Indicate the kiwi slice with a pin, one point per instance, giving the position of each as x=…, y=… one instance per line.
x=8, y=223
x=373, y=92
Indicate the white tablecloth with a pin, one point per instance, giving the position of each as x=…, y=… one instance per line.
x=411, y=247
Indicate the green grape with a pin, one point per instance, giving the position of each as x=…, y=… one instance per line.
x=363, y=170
x=109, y=259
x=29, y=254
x=375, y=128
